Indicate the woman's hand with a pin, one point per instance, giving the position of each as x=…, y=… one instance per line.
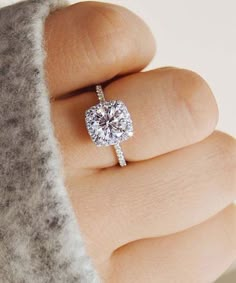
x=167, y=216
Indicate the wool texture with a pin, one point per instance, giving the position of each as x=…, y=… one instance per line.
x=40, y=241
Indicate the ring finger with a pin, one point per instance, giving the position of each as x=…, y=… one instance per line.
x=163, y=103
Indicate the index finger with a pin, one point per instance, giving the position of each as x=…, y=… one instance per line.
x=88, y=43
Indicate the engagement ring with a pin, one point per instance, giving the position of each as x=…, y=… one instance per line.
x=109, y=123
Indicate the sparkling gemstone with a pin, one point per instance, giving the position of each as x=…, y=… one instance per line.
x=109, y=123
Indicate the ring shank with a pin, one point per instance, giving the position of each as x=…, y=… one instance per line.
x=100, y=93
x=120, y=155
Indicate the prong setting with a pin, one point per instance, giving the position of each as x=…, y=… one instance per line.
x=109, y=123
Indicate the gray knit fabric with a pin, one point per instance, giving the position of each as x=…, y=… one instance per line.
x=40, y=240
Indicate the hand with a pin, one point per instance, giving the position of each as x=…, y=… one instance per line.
x=168, y=216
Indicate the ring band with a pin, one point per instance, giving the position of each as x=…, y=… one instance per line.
x=109, y=123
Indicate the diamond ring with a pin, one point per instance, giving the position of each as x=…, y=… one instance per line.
x=109, y=123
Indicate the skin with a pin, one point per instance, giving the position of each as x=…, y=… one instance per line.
x=168, y=216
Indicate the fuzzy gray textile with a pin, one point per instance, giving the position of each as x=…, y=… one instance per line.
x=40, y=240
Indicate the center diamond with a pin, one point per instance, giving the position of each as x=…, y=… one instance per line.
x=109, y=123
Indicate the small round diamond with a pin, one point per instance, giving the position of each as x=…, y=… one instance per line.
x=109, y=123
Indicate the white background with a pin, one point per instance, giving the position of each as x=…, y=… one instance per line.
x=198, y=35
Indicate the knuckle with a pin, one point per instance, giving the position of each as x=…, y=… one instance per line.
x=113, y=30
x=110, y=15
x=198, y=100
x=106, y=32
x=107, y=21
x=228, y=145
x=226, y=148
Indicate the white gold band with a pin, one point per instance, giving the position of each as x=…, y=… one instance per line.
x=118, y=150
x=100, y=93
x=120, y=155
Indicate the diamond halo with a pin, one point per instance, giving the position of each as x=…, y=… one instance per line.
x=109, y=123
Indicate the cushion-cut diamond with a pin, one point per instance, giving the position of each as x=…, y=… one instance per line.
x=109, y=123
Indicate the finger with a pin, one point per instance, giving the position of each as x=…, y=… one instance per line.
x=160, y=196
x=170, y=108
x=92, y=42
x=199, y=255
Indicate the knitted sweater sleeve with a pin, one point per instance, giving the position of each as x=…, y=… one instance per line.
x=40, y=241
